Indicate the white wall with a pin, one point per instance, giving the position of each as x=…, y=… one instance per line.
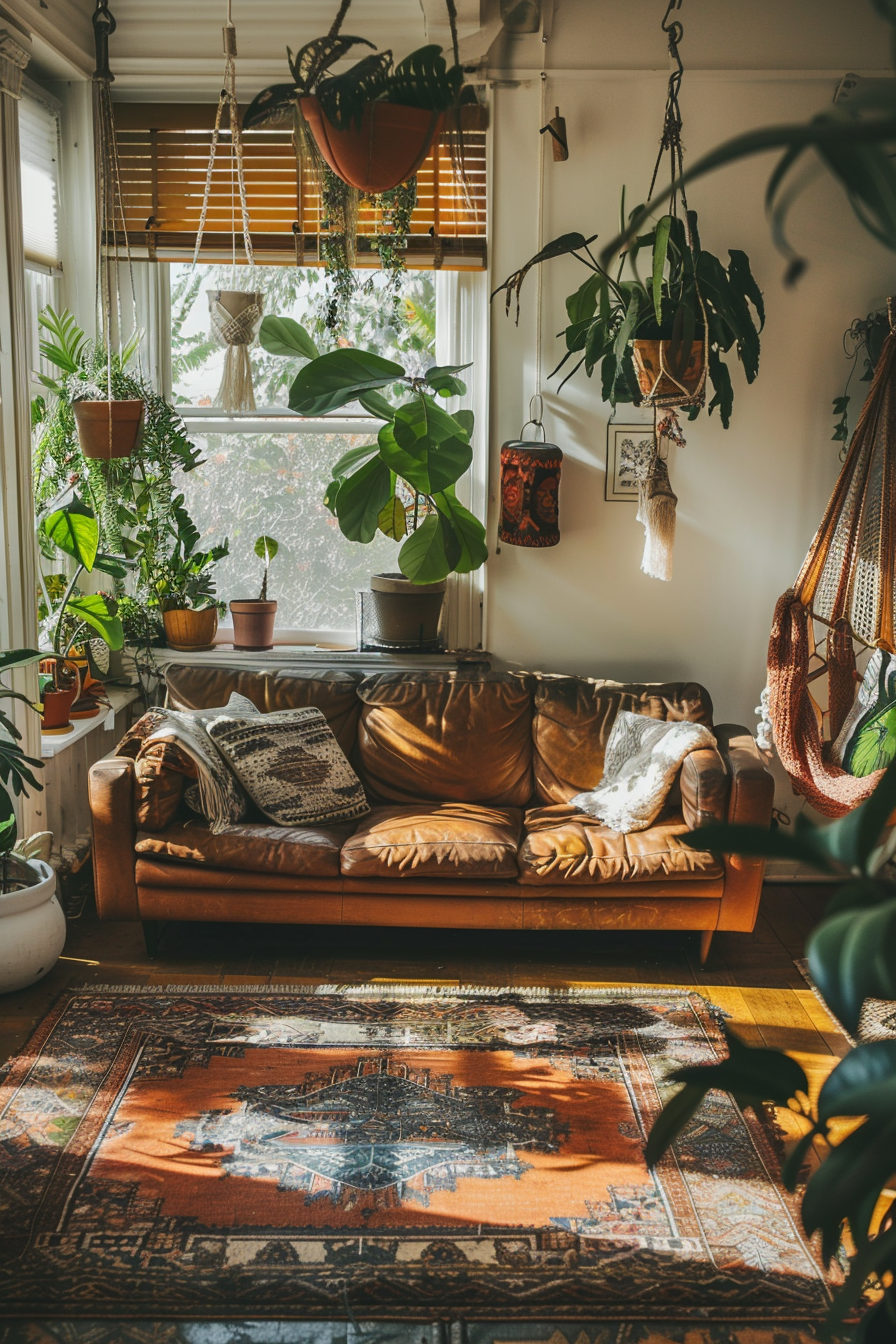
x=749, y=498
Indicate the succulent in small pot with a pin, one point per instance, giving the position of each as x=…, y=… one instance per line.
x=253, y=618
x=183, y=586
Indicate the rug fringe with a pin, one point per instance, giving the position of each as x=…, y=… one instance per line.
x=400, y=990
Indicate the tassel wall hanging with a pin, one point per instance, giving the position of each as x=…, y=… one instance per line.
x=234, y=314
x=657, y=501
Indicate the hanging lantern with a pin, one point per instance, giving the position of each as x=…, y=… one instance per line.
x=530, y=489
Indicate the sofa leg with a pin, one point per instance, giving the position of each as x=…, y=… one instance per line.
x=705, y=943
x=152, y=929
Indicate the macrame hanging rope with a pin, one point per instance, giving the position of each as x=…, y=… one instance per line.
x=848, y=584
x=234, y=315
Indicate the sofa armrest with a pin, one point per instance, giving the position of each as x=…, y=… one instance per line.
x=752, y=785
x=111, y=793
x=750, y=802
x=704, y=788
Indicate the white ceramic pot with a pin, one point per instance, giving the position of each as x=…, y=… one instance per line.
x=32, y=930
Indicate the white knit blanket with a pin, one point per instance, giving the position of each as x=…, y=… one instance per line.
x=216, y=795
x=641, y=762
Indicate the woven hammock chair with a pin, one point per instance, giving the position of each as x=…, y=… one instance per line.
x=847, y=584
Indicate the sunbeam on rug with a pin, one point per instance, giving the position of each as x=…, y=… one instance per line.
x=385, y=1153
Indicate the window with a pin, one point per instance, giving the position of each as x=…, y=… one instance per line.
x=267, y=472
x=39, y=164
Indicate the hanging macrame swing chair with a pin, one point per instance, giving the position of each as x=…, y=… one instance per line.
x=847, y=583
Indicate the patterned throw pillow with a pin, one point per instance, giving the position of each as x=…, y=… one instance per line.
x=867, y=740
x=291, y=766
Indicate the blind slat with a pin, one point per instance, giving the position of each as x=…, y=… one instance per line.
x=164, y=152
x=39, y=161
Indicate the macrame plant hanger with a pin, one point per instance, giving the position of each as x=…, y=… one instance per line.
x=109, y=428
x=847, y=584
x=234, y=314
x=663, y=386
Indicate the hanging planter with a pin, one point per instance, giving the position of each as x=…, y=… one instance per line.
x=109, y=429
x=665, y=378
x=235, y=316
x=386, y=148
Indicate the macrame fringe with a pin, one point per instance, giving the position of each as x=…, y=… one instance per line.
x=236, y=332
x=658, y=502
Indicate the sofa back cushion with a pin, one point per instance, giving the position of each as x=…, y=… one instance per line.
x=454, y=737
x=572, y=721
x=333, y=693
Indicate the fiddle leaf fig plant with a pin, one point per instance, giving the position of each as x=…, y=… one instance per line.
x=687, y=294
x=404, y=484
x=852, y=957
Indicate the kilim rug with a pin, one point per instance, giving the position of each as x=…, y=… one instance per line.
x=877, y=1021
x=385, y=1154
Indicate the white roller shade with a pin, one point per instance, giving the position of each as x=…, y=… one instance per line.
x=39, y=149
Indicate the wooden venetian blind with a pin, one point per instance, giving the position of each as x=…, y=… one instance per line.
x=164, y=151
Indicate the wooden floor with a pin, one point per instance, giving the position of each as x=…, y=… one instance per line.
x=751, y=976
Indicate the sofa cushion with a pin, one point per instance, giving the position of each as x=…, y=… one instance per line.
x=333, y=693
x=440, y=840
x=297, y=851
x=161, y=774
x=461, y=737
x=563, y=845
x=573, y=718
x=290, y=765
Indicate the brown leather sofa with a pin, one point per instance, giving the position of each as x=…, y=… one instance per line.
x=469, y=775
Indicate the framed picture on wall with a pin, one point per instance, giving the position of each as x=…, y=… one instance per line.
x=628, y=446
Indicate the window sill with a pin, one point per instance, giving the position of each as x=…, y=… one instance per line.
x=306, y=655
x=52, y=744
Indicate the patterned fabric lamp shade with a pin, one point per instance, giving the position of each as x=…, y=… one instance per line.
x=530, y=487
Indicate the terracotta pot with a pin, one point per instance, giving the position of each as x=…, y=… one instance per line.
x=108, y=429
x=407, y=614
x=58, y=704
x=253, y=624
x=187, y=630
x=384, y=151
x=659, y=386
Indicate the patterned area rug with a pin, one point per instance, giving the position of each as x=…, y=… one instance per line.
x=385, y=1154
x=877, y=1021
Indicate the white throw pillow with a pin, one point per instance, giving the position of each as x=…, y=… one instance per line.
x=641, y=762
x=291, y=766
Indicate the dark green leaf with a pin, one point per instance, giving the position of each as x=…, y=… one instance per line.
x=870, y=1259
x=431, y=553
x=391, y=519
x=852, y=957
x=266, y=548
x=335, y=379
x=353, y=458
x=92, y=610
x=580, y=306
x=423, y=79
x=445, y=384
x=740, y=275
x=863, y=1083
x=858, y=1166
x=723, y=392
x=18, y=658
x=271, y=104
x=75, y=531
x=790, y=1172
x=468, y=529
x=425, y=446
x=756, y=842
x=672, y=1121
x=660, y=248
x=360, y=498
x=375, y=404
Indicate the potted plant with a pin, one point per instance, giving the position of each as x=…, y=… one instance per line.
x=108, y=426
x=851, y=957
x=404, y=484
x=32, y=925
x=658, y=341
x=74, y=530
x=253, y=618
x=373, y=125
x=184, y=589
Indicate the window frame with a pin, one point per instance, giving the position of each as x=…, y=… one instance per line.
x=461, y=336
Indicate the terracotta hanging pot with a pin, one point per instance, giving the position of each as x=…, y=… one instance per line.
x=530, y=487
x=253, y=624
x=385, y=150
x=189, y=631
x=661, y=379
x=108, y=429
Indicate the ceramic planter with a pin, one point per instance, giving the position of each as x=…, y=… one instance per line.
x=407, y=614
x=108, y=429
x=188, y=631
x=253, y=624
x=32, y=924
x=384, y=151
x=659, y=380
